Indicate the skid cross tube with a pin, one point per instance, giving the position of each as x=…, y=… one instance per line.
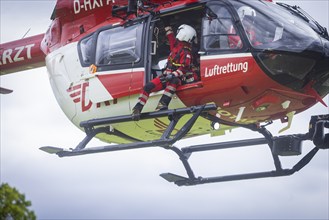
x=165, y=141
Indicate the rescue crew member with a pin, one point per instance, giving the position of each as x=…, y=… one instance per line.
x=247, y=16
x=178, y=69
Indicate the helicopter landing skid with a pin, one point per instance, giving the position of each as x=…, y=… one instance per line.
x=279, y=146
x=167, y=140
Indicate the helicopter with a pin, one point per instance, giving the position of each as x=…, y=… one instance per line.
x=99, y=54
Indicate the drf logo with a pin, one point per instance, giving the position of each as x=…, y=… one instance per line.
x=78, y=95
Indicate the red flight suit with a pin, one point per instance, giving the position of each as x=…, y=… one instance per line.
x=179, y=65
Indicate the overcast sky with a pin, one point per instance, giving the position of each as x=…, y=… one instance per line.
x=127, y=184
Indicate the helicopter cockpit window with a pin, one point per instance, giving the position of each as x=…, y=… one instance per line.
x=86, y=49
x=218, y=29
x=269, y=26
x=281, y=39
x=119, y=45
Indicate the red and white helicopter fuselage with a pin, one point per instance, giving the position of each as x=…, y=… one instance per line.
x=249, y=84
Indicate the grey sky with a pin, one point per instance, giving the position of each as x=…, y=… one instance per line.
x=127, y=184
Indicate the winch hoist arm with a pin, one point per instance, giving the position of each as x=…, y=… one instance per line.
x=279, y=146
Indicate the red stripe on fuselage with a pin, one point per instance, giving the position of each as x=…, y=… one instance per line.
x=122, y=83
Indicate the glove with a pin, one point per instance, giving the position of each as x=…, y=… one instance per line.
x=163, y=79
x=169, y=77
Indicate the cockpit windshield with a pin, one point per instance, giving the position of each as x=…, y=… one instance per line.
x=322, y=31
x=270, y=26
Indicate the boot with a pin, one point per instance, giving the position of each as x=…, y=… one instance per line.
x=136, y=114
x=162, y=105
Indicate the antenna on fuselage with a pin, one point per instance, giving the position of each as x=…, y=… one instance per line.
x=26, y=33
